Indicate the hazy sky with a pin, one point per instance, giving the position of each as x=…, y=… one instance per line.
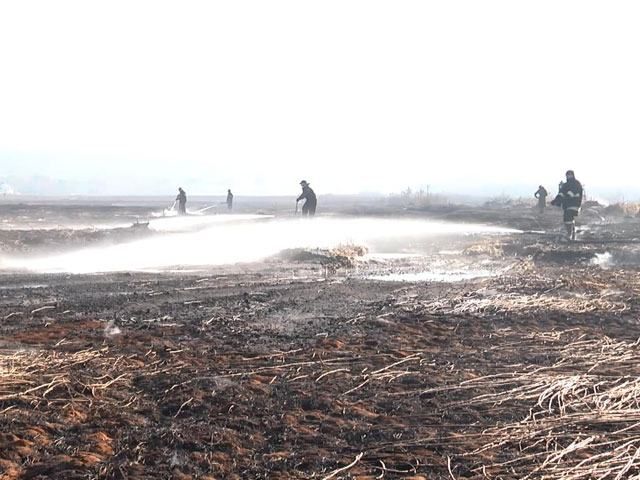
x=351, y=95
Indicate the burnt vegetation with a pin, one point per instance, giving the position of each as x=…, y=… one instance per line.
x=264, y=374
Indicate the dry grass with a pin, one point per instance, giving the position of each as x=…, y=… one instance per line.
x=491, y=249
x=622, y=209
x=417, y=199
x=52, y=377
x=515, y=303
x=584, y=419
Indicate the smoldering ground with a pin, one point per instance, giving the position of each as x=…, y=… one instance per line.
x=278, y=369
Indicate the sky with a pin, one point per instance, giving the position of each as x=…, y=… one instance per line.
x=126, y=97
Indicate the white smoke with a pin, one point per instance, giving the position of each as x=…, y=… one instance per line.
x=111, y=329
x=233, y=239
x=603, y=260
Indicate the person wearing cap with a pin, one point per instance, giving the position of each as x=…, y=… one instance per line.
x=570, y=199
x=541, y=195
x=229, y=199
x=309, y=207
x=182, y=201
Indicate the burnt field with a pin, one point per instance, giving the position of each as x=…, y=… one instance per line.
x=302, y=367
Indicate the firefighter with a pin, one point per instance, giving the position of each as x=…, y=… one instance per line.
x=309, y=196
x=229, y=200
x=570, y=199
x=182, y=201
x=541, y=195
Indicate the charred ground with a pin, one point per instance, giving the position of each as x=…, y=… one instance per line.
x=293, y=371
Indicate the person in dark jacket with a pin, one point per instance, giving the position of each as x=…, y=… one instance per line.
x=229, y=200
x=570, y=199
x=309, y=196
x=182, y=201
x=541, y=195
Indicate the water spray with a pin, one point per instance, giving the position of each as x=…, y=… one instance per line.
x=202, y=240
x=173, y=206
x=206, y=208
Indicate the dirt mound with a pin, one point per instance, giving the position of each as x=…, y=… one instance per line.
x=626, y=209
x=591, y=204
x=343, y=256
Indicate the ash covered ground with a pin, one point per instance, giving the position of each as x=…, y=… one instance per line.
x=310, y=363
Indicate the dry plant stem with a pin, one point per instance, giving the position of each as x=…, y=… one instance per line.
x=344, y=469
x=332, y=372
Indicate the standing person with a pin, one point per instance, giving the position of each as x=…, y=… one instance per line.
x=309, y=207
x=541, y=195
x=229, y=200
x=182, y=201
x=570, y=199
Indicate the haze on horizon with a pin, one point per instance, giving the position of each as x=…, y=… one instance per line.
x=129, y=97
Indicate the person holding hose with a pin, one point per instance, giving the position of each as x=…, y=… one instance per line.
x=182, y=201
x=309, y=196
